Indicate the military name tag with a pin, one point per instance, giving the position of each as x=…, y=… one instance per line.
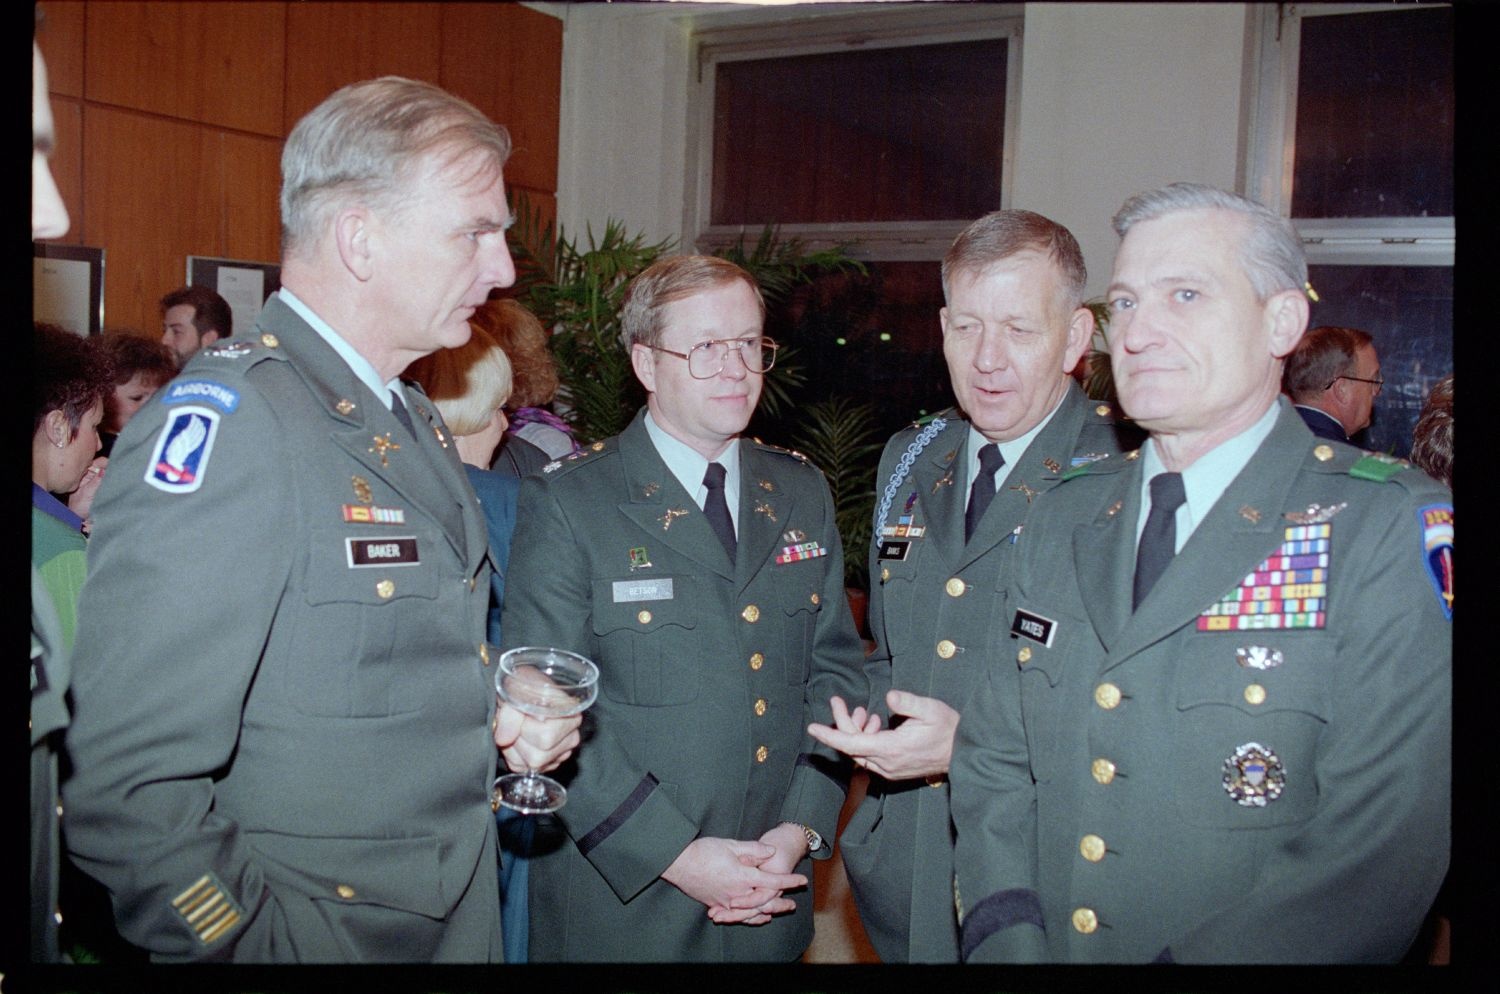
x=367, y=552
x=893, y=550
x=1034, y=627
x=642, y=590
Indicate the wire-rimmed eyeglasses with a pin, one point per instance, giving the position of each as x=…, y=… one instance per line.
x=1359, y=379
x=706, y=359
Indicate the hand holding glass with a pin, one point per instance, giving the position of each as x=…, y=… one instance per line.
x=543, y=683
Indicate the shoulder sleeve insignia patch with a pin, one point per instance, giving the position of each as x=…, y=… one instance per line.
x=1437, y=551
x=201, y=392
x=182, y=449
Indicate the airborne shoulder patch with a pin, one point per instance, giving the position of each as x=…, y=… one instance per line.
x=180, y=457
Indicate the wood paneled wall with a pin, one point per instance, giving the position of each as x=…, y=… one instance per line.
x=171, y=116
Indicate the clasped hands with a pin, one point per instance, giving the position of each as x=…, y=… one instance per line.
x=921, y=746
x=741, y=882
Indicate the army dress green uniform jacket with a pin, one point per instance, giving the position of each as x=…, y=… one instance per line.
x=282, y=719
x=934, y=612
x=1172, y=786
x=709, y=676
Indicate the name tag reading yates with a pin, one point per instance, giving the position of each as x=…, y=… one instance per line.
x=659, y=589
x=1034, y=627
x=366, y=552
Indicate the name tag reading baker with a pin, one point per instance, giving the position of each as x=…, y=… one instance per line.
x=658, y=589
x=400, y=550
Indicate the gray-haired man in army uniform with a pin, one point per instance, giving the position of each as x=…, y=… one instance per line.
x=305, y=774
x=1224, y=732
x=954, y=492
x=703, y=573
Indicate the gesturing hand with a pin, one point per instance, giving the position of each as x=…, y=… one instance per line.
x=921, y=746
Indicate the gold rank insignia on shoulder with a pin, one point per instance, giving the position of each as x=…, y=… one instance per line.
x=1133, y=455
x=1103, y=410
x=597, y=447
x=269, y=340
x=1315, y=514
x=207, y=909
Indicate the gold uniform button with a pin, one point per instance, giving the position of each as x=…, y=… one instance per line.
x=1107, y=696
x=644, y=617
x=1024, y=656
x=484, y=654
x=760, y=706
x=946, y=649
x=269, y=340
x=751, y=613
x=885, y=573
x=955, y=587
x=1092, y=848
x=1323, y=453
x=385, y=589
x=815, y=598
x=345, y=891
x=597, y=447
x=757, y=660
x=1103, y=770
x=1085, y=921
x=761, y=753
x=1255, y=694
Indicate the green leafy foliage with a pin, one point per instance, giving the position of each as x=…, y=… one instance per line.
x=838, y=436
x=1098, y=380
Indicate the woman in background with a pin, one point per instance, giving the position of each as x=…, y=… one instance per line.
x=142, y=367
x=470, y=385
x=1432, y=441
x=536, y=435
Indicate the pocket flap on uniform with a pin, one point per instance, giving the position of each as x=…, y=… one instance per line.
x=357, y=566
x=404, y=874
x=1258, y=672
x=643, y=604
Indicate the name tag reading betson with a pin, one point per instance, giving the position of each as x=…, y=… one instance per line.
x=400, y=550
x=659, y=589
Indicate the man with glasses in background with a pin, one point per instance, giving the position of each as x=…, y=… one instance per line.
x=703, y=572
x=1333, y=378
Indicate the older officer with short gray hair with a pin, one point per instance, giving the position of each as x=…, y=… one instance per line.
x=304, y=775
x=1222, y=732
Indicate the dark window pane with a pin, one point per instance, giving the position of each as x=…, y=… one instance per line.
x=890, y=134
x=1375, y=115
x=1409, y=312
x=874, y=338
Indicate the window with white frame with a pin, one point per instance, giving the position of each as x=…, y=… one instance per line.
x=1352, y=138
x=886, y=131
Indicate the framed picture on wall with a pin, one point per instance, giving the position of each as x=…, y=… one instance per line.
x=67, y=286
x=243, y=285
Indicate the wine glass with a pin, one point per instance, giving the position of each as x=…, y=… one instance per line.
x=544, y=683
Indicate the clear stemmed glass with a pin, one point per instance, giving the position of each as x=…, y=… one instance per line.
x=544, y=683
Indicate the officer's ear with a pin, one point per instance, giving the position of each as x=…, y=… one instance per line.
x=351, y=233
x=1080, y=333
x=209, y=337
x=1284, y=319
x=644, y=363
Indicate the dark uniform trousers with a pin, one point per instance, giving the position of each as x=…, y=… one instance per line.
x=934, y=612
x=1254, y=766
x=710, y=674
x=282, y=727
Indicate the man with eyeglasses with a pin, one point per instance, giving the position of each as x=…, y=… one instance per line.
x=1333, y=378
x=703, y=572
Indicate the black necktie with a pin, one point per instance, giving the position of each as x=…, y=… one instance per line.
x=1159, y=537
x=982, y=490
x=402, y=415
x=715, y=508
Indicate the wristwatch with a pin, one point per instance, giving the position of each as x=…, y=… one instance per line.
x=814, y=840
